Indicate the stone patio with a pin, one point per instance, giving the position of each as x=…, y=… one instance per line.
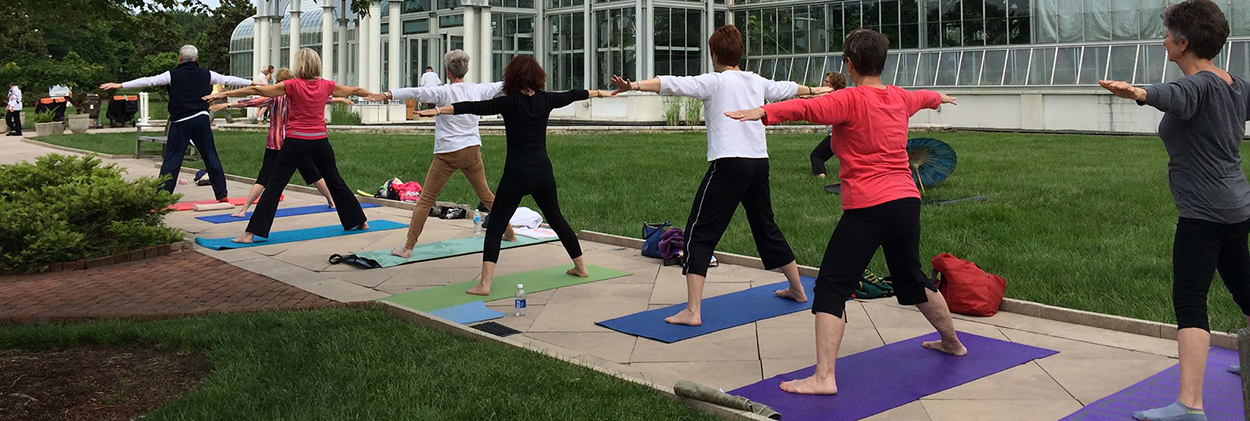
x=1092, y=362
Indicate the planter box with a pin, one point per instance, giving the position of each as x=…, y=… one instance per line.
x=46, y=129
x=79, y=123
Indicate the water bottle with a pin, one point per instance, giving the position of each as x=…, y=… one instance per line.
x=520, y=300
x=477, y=222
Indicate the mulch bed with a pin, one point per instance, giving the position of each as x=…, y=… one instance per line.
x=94, y=383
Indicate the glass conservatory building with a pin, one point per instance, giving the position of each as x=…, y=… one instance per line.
x=981, y=47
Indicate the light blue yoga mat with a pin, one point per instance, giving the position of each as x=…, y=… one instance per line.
x=468, y=313
x=279, y=237
x=719, y=313
x=284, y=212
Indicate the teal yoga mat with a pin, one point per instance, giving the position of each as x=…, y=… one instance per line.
x=467, y=314
x=431, y=251
x=279, y=237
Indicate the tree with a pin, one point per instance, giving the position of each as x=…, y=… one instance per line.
x=72, y=71
x=215, y=40
x=156, y=64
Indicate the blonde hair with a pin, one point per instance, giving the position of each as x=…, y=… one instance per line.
x=282, y=74
x=307, y=64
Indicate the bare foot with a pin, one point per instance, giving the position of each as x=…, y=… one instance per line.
x=811, y=386
x=957, y=349
x=685, y=317
x=362, y=227
x=246, y=238
x=480, y=289
x=799, y=295
x=578, y=272
x=510, y=238
x=401, y=252
x=240, y=214
x=331, y=205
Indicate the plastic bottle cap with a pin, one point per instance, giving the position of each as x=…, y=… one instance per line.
x=520, y=286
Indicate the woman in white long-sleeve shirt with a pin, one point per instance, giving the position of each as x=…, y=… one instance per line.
x=14, y=108
x=457, y=142
x=737, y=155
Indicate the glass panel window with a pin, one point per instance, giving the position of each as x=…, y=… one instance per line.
x=1151, y=27
x=948, y=69
x=815, y=71
x=785, y=30
x=1238, y=19
x=1097, y=20
x=615, y=45
x=952, y=23
x=992, y=69
x=833, y=63
x=766, y=68
x=974, y=22
x=782, y=71
x=1019, y=22
x=1239, y=59
x=802, y=26
x=970, y=68
x=926, y=73
x=1123, y=63
x=835, y=27
x=1041, y=71
x=566, y=57
x=909, y=36
x=933, y=23
x=1017, y=67
x=818, y=39
x=414, y=6
x=1124, y=20
x=1066, y=61
x=891, y=67
x=1150, y=62
x=907, y=69
x=798, y=71
x=996, y=22
x=1093, y=65
x=419, y=26
x=450, y=21
x=512, y=35
x=768, y=30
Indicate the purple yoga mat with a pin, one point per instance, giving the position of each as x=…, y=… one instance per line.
x=880, y=379
x=1221, y=393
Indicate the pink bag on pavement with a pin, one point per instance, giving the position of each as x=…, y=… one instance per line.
x=408, y=192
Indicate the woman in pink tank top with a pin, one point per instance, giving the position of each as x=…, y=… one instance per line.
x=305, y=139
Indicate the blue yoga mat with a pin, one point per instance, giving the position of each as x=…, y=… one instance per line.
x=279, y=237
x=880, y=379
x=284, y=212
x=719, y=313
x=468, y=313
x=1221, y=393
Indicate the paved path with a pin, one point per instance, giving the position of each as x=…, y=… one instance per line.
x=1092, y=362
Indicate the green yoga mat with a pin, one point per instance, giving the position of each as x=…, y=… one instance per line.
x=431, y=251
x=502, y=287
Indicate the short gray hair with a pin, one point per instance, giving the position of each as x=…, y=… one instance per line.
x=189, y=53
x=457, y=63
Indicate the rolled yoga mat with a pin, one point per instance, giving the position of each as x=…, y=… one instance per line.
x=279, y=237
x=203, y=207
x=502, y=287
x=284, y=212
x=430, y=251
x=235, y=201
x=1221, y=393
x=884, y=378
x=468, y=313
x=719, y=313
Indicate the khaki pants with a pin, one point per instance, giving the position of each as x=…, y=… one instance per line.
x=467, y=161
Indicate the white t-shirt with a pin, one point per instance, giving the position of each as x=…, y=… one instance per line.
x=15, y=99
x=730, y=91
x=452, y=132
x=430, y=79
x=261, y=78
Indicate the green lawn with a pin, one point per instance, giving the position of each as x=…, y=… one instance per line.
x=1083, y=222
x=339, y=364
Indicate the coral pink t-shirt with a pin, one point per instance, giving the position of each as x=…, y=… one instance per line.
x=305, y=107
x=869, y=138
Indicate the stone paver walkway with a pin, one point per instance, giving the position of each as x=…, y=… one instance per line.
x=1092, y=362
x=179, y=284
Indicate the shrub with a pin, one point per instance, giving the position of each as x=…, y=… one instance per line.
x=44, y=117
x=692, y=110
x=64, y=208
x=343, y=115
x=672, y=111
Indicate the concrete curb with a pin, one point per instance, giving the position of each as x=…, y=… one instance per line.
x=1010, y=305
x=423, y=319
x=74, y=150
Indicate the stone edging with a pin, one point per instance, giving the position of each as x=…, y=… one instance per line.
x=75, y=150
x=423, y=319
x=1010, y=305
x=123, y=257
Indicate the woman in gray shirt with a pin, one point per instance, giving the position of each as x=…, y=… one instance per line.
x=1204, y=120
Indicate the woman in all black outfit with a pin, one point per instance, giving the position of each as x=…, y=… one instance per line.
x=525, y=108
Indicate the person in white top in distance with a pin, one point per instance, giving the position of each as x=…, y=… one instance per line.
x=457, y=143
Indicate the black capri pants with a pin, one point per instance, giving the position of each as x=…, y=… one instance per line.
x=892, y=226
x=1199, y=250
x=728, y=182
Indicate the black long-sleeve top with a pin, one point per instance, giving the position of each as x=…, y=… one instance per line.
x=525, y=124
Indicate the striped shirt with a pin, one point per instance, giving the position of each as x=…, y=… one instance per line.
x=277, y=119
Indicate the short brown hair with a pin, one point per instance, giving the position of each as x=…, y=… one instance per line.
x=523, y=73
x=866, y=49
x=282, y=74
x=726, y=45
x=1201, y=23
x=836, y=80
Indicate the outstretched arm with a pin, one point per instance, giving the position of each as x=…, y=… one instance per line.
x=143, y=82
x=270, y=91
x=826, y=110
x=624, y=85
x=346, y=91
x=1178, y=98
x=220, y=79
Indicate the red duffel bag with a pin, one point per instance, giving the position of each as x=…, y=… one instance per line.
x=968, y=289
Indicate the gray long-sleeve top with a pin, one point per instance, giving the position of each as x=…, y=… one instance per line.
x=1202, y=129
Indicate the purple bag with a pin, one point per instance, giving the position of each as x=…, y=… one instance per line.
x=672, y=242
